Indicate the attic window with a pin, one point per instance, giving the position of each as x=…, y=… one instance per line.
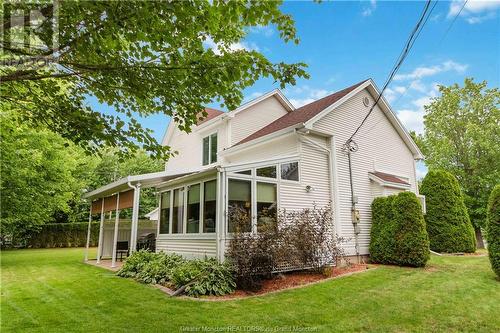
x=210, y=149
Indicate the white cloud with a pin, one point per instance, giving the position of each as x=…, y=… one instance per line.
x=423, y=71
x=421, y=170
x=217, y=47
x=413, y=120
x=304, y=95
x=475, y=11
x=265, y=30
x=367, y=11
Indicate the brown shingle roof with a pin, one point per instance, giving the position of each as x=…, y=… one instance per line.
x=389, y=178
x=301, y=115
x=212, y=113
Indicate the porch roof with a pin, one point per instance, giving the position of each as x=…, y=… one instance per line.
x=123, y=184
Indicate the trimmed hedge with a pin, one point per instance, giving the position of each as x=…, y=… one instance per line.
x=398, y=234
x=493, y=229
x=64, y=235
x=448, y=225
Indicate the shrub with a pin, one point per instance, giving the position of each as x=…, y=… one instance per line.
x=398, y=234
x=64, y=235
x=159, y=269
x=301, y=240
x=411, y=239
x=204, y=277
x=493, y=229
x=195, y=277
x=135, y=263
x=447, y=220
x=382, y=232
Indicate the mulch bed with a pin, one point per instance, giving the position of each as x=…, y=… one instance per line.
x=292, y=280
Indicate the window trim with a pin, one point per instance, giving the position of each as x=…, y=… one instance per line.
x=290, y=181
x=185, y=188
x=253, y=186
x=209, y=136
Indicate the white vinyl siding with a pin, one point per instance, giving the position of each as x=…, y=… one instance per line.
x=255, y=117
x=380, y=148
x=313, y=172
x=188, y=248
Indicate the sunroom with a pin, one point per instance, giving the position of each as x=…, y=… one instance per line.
x=194, y=218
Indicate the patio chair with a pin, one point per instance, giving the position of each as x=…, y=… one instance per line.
x=121, y=249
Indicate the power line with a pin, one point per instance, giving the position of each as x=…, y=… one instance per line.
x=445, y=34
x=404, y=53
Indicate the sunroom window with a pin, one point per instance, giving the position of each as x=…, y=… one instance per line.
x=178, y=212
x=239, y=205
x=210, y=149
x=209, y=206
x=193, y=209
x=165, y=213
x=266, y=206
x=268, y=172
x=290, y=171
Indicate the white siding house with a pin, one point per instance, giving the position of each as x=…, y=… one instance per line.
x=268, y=155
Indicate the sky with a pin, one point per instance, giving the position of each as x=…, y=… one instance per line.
x=344, y=42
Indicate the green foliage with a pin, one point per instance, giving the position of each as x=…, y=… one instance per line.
x=198, y=277
x=411, y=239
x=447, y=220
x=159, y=270
x=40, y=176
x=214, y=279
x=64, y=235
x=382, y=232
x=461, y=136
x=140, y=57
x=135, y=263
x=493, y=229
x=398, y=234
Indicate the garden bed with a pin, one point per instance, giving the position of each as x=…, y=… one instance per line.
x=290, y=280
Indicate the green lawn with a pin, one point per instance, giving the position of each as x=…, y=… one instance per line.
x=53, y=291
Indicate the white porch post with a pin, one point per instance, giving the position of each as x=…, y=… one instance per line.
x=115, y=237
x=88, y=234
x=135, y=218
x=101, y=234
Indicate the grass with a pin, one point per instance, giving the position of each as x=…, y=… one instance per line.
x=53, y=291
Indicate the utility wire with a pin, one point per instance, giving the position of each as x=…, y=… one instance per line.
x=445, y=34
x=408, y=45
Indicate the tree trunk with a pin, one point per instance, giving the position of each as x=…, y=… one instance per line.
x=479, y=239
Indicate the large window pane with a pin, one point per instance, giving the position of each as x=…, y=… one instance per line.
x=164, y=212
x=209, y=206
x=266, y=206
x=193, y=209
x=269, y=172
x=206, y=150
x=290, y=171
x=239, y=205
x=213, y=148
x=178, y=212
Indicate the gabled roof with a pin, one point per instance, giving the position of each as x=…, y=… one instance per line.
x=387, y=178
x=211, y=114
x=302, y=114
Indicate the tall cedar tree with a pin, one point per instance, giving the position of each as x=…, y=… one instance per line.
x=493, y=229
x=448, y=223
x=461, y=136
